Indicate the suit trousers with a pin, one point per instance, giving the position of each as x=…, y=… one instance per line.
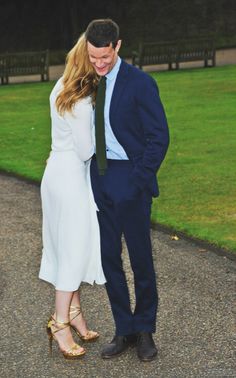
x=122, y=214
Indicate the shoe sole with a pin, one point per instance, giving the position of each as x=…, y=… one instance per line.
x=107, y=357
x=147, y=359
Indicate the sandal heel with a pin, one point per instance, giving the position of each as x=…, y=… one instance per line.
x=90, y=335
x=71, y=353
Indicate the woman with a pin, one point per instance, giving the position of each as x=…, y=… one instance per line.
x=71, y=242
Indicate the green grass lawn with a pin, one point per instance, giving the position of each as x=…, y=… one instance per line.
x=25, y=128
x=197, y=179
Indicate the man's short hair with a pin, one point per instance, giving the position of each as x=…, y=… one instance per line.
x=102, y=33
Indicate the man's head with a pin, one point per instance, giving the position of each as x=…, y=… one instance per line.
x=103, y=44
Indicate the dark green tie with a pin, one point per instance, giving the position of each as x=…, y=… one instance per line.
x=99, y=127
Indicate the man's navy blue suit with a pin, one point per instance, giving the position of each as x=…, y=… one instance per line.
x=124, y=196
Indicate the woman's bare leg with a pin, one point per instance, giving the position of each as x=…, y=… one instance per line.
x=79, y=321
x=64, y=336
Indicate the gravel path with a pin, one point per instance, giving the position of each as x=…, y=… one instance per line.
x=196, y=323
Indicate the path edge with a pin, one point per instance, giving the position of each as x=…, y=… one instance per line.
x=168, y=230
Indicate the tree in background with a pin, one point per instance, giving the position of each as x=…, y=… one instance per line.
x=56, y=24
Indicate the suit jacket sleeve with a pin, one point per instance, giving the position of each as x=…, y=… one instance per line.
x=155, y=128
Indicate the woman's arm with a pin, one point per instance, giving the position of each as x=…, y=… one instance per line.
x=80, y=121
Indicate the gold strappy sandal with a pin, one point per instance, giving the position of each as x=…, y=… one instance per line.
x=90, y=335
x=55, y=326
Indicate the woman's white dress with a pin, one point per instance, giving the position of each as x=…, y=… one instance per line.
x=71, y=239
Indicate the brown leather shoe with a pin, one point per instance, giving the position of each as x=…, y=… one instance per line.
x=117, y=346
x=146, y=348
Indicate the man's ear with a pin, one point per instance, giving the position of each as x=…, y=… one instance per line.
x=117, y=48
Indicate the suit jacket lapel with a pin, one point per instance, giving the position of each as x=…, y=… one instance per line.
x=118, y=88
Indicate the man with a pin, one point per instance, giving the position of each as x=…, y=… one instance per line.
x=136, y=138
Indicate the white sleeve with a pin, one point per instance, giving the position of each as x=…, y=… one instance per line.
x=80, y=122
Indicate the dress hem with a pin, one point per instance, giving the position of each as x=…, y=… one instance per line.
x=90, y=282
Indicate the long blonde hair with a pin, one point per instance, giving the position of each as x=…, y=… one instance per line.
x=79, y=78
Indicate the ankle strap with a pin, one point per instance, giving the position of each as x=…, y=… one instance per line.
x=59, y=325
x=76, y=310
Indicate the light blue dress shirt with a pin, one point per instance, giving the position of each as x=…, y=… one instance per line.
x=114, y=149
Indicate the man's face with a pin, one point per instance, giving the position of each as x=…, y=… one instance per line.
x=103, y=59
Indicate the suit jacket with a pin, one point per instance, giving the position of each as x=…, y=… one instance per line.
x=139, y=123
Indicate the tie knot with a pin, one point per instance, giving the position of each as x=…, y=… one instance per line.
x=102, y=82
x=103, y=78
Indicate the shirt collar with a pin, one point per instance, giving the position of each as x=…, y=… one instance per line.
x=113, y=73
